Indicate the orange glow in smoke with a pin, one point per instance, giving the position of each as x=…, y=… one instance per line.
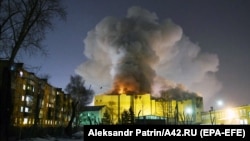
x=122, y=88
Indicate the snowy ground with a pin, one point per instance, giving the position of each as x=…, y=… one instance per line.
x=76, y=137
x=51, y=139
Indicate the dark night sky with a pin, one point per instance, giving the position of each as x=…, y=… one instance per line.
x=220, y=27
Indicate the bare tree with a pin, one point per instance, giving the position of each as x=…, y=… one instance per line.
x=111, y=110
x=81, y=97
x=106, y=120
x=128, y=116
x=23, y=26
x=166, y=105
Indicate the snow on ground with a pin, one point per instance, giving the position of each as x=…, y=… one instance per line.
x=51, y=139
x=78, y=136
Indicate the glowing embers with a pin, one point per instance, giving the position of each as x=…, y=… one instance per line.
x=125, y=85
x=124, y=89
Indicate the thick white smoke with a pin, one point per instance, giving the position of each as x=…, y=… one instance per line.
x=144, y=55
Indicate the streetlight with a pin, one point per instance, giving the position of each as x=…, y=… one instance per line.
x=189, y=112
x=212, y=112
x=220, y=103
x=212, y=118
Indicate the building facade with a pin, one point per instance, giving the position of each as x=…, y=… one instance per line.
x=35, y=101
x=186, y=111
x=91, y=115
x=228, y=116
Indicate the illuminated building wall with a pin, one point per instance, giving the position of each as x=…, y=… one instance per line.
x=175, y=112
x=227, y=116
x=91, y=115
x=117, y=103
x=35, y=101
x=186, y=111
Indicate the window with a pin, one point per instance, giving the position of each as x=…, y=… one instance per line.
x=26, y=109
x=21, y=74
x=41, y=114
x=53, y=92
x=42, y=103
x=243, y=121
x=25, y=120
x=242, y=112
x=29, y=100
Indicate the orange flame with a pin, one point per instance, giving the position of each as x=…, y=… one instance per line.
x=121, y=88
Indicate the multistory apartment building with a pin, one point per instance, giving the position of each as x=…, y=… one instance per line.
x=35, y=101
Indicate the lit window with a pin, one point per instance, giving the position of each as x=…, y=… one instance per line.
x=41, y=114
x=26, y=109
x=22, y=98
x=25, y=120
x=21, y=73
x=21, y=109
x=24, y=87
x=28, y=99
x=243, y=112
x=245, y=121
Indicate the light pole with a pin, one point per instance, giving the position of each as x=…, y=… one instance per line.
x=212, y=117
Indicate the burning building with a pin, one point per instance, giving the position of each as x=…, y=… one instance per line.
x=132, y=61
x=171, y=110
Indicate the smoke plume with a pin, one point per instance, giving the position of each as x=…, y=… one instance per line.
x=139, y=54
